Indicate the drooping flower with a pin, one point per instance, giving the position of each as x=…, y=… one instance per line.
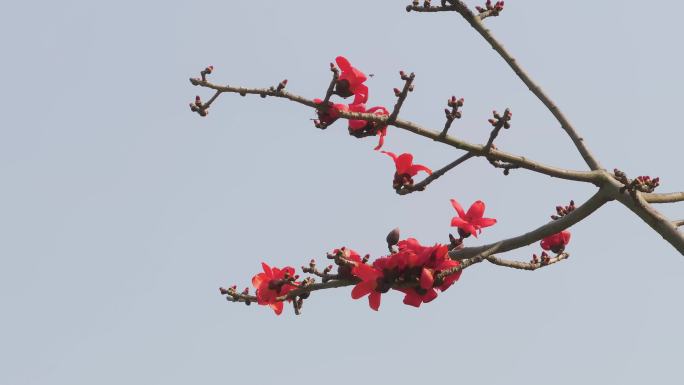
x=329, y=116
x=556, y=242
x=351, y=82
x=369, y=276
x=271, y=284
x=406, y=170
x=361, y=128
x=471, y=222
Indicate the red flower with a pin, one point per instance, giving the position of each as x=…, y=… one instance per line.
x=406, y=170
x=471, y=222
x=351, y=81
x=556, y=242
x=271, y=284
x=369, y=276
x=326, y=118
x=361, y=128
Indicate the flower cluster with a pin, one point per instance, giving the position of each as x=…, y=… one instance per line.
x=351, y=83
x=412, y=270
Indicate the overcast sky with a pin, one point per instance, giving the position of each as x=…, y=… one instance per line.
x=121, y=212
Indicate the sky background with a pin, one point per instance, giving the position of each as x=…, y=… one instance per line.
x=121, y=212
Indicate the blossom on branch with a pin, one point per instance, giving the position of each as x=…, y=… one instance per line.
x=406, y=170
x=471, y=222
x=362, y=128
x=351, y=81
x=273, y=283
x=556, y=242
x=330, y=115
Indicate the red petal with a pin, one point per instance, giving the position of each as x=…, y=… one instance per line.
x=257, y=279
x=267, y=269
x=277, y=307
x=460, y=223
x=426, y=279
x=403, y=163
x=429, y=296
x=458, y=208
x=545, y=244
x=418, y=167
x=362, y=289
x=365, y=272
x=412, y=298
x=361, y=94
x=566, y=237
x=484, y=222
x=476, y=210
x=343, y=63
x=374, y=300
x=382, y=134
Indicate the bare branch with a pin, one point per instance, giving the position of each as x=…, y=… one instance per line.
x=678, y=223
x=531, y=266
x=663, y=197
x=477, y=24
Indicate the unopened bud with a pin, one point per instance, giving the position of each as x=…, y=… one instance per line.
x=393, y=237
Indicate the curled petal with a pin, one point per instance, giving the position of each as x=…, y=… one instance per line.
x=267, y=269
x=484, y=222
x=374, y=300
x=458, y=208
x=403, y=163
x=419, y=167
x=381, y=133
x=426, y=279
x=476, y=210
x=412, y=298
x=429, y=296
x=277, y=307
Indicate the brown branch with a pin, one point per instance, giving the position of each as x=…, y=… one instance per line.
x=477, y=24
x=663, y=197
x=421, y=186
x=531, y=266
x=678, y=223
x=401, y=97
x=553, y=227
x=478, y=150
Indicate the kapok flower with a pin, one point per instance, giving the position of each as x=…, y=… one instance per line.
x=556, y=242
x=271, y=284
x=351, y=81
x=406, y=170
x=362, y=128
x=369, y=276
x=328, y=117
x=471, y=222
x=417, y=296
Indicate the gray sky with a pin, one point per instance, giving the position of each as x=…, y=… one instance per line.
x=121, y=213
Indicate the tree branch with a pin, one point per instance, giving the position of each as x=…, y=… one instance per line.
x=421, y=186
x=531, y=266
x=663, y=197
x=553, y=227
x=476, y=149
x=477, y=24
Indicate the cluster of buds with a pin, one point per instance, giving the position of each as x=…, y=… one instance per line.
x=492, y=10
x=544, y=259
x=642, y=183
x=455, y=105
x=198, y=107
x=562, y=211
x=501, y=121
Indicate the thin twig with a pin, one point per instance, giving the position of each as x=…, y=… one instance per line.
x=531, y=266
x=664, y=197
x=477, y=24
